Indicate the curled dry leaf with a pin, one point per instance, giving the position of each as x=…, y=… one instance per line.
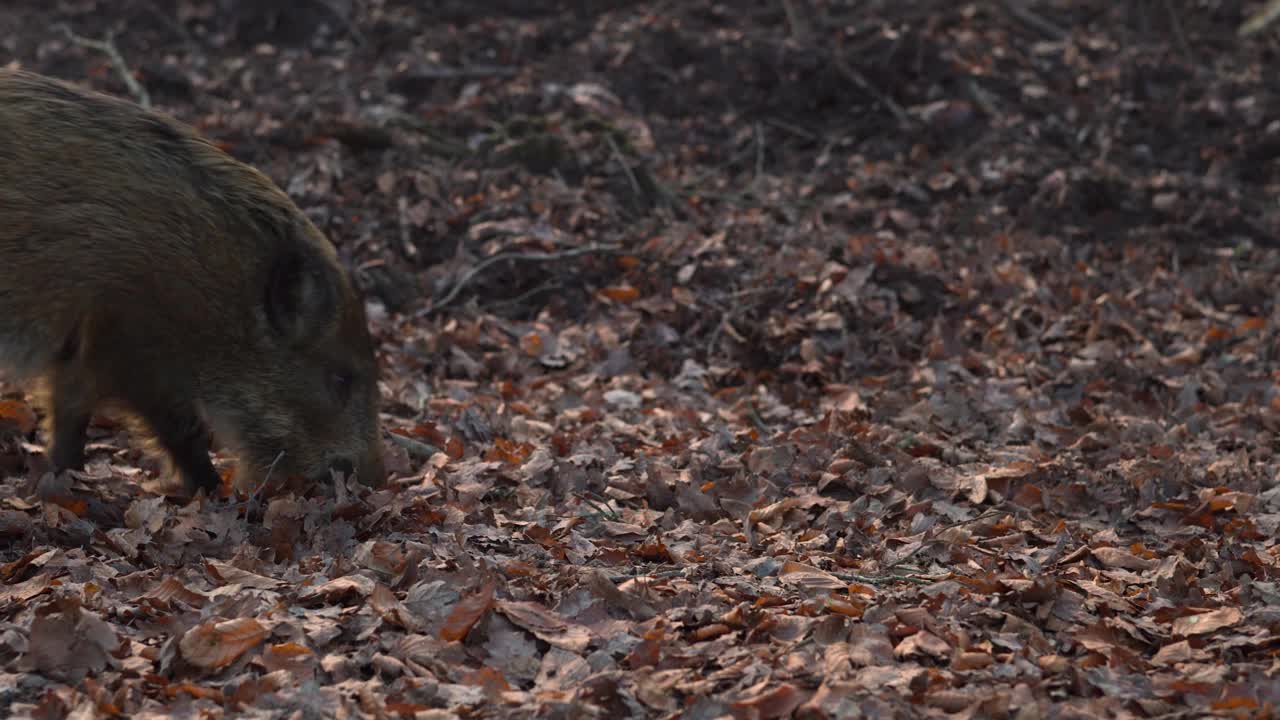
x=546, y=625
x=216, y=644
x=67, y=641
x=923, y=643
x=775, y=702
x=146, y=514
x=1118, y=558
x=383, y=602
x=25, y=590
x=488, y=679
x=298, y=660
x=467, y=612
x=603, y=587
x=1208, y=622
x=809, y=577
x=347, y=587
x=385, y=558
x=172, y=590
x=228, y=574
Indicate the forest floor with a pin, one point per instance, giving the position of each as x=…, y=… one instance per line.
x=871, y=359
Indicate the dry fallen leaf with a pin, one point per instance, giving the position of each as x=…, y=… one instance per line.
x=19, y=415
x=467, y=612
x=68, y=641
x=1207, y=622
x=384, y=603
x=345, y=588
x=808, y=577
x=227, y=574
x=215, y=644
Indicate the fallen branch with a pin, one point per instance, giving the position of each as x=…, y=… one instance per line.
x=526, y=257
x=107, y=46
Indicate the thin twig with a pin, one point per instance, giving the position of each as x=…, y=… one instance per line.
x=406, y=241
x=1020, y=12
x=175, y=26
x=793, y=129
x=345, y=21
x=882, y=579
x=631, y=177
x=801, y=30
x=526, y=257
x=1260, y=19
x=759, y=153
x=1181, y=36
x=861, y=81
x=108, y=47
x=522, y=297
x=458, y=73
x=252, y=497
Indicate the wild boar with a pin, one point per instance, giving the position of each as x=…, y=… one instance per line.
x=147, y=274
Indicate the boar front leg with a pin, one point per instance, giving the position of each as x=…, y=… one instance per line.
x=182, y=433
x=68, y=428
x=68, y=406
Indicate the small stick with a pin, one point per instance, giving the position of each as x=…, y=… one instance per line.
x=759, y=153
x=1023, y=14
x=631, y=177
x=530, y=257
x=1260, y=20
x=861, y=81
x=107, y=46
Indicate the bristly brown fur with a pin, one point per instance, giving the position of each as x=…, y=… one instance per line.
x=144, y=270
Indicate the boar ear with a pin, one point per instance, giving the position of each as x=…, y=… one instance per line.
x=300, y=298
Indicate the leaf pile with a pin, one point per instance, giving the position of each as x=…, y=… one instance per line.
x=754, y=360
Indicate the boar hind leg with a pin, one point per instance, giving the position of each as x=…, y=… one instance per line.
x=182, y=434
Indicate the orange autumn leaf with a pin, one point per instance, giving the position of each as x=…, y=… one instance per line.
x=289, y=650
x=845, y=608
x=1217, y=333
x=467, y=613
x=775, y=703
x=653, y=552
x=18, y=414
x=1251, y=324
x=620, y=293
x=647, y=653
x=531, y=344
x=488, y=679
x=216, y=644
x=542, y=536
x=195, y=691
x=173, y=590
x=1235, y=703
x=708, y=632
x=287, y=656
x=426, y=431
x=510, y=452
x=72, y=504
